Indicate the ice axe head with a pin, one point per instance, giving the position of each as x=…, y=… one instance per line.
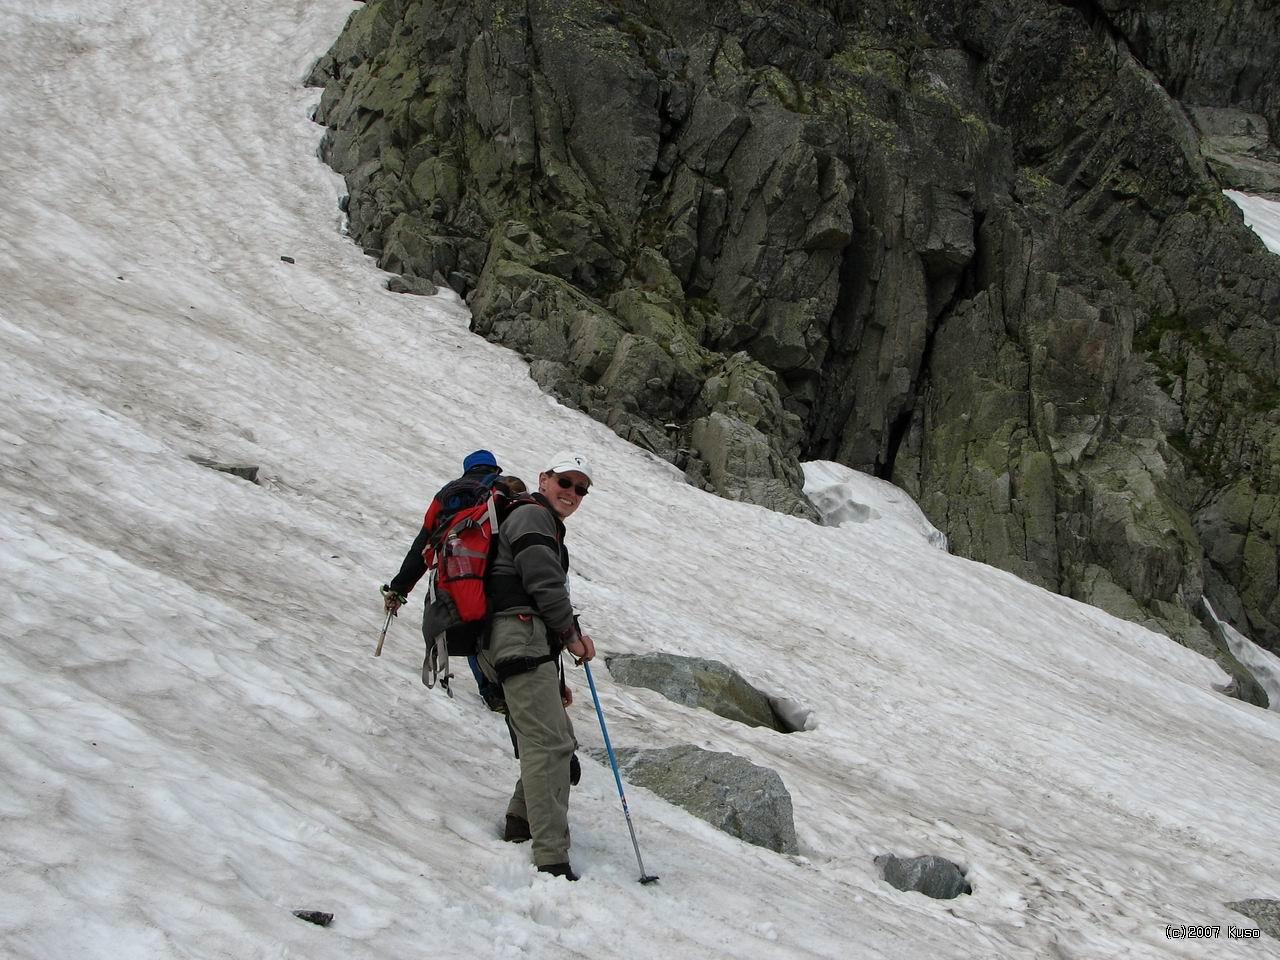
x=648, y=878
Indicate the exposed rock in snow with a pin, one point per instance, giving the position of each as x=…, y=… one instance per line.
x=1265, y=913
x=933, y=876
x=695, y=682
x=729, y=792
x=245, y=471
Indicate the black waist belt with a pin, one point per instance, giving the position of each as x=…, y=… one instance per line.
x=518, y=665
x=507, y=591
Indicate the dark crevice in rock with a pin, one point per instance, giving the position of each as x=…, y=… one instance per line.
x=962, y=288
x=1096, y=15
x=834, y=398
x=897, y=433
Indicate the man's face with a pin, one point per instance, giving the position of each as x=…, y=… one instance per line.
x=562, y=489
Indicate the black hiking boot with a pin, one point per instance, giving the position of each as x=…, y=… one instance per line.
x=559, y=870
x=494, y=700
x=516, y=830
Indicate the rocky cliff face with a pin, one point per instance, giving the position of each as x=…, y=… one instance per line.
x=978, y=248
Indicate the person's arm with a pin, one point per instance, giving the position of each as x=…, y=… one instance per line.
x=413, y=568
x=530, y=532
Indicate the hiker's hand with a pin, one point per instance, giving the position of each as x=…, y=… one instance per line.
x=566, y=696
x=581, y=649
x=392, y=601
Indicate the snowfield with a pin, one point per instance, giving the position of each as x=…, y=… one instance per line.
x=1261, y=214
x=196, y=739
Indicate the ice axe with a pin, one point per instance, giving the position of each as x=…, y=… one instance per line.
x=391, y=612
x=377, y=651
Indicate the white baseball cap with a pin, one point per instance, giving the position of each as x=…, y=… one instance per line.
x=566, y=461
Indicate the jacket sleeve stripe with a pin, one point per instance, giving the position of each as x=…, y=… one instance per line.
x=525, y=541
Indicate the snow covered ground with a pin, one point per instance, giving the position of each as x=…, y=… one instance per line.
x=196, y=739
x=1261, y=214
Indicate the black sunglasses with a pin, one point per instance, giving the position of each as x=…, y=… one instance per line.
x=579, y=489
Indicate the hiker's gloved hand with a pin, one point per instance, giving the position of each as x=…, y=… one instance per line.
x=392, y=601
x=582, y=648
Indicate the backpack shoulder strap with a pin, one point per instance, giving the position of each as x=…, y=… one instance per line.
x=507, y=504
x=504, y=503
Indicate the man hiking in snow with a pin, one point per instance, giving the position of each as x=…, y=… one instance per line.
x=531, y=623
x=480, y=473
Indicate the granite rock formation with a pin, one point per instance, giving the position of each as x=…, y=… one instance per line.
x=979, y=249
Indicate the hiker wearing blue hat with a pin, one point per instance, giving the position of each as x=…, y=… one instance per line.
x=480, y=458
x=480, y=471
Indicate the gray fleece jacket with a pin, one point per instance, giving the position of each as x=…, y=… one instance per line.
x=530, y=572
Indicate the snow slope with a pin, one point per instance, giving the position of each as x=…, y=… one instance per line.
x=1261, y=214
x=197, y=740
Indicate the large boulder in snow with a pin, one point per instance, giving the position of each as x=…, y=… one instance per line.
x=699, y=683
x=731, y=793
x=933, y=876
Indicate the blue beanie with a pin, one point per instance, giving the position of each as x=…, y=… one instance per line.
x=479, y=458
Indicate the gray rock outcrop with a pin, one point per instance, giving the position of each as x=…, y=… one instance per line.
x=1240, y=149
x=729, y=792
x=245, y=471
x=1265, y=913
x=699, y=683
x=977, y=248
x=1244, y=685
x=414, y=286
x=933, y=876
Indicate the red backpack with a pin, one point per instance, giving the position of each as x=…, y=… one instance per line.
x=458, y=561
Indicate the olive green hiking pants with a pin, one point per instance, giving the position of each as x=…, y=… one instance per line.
x=543, y=732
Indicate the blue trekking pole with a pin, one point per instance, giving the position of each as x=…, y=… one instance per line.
x=613, y=762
